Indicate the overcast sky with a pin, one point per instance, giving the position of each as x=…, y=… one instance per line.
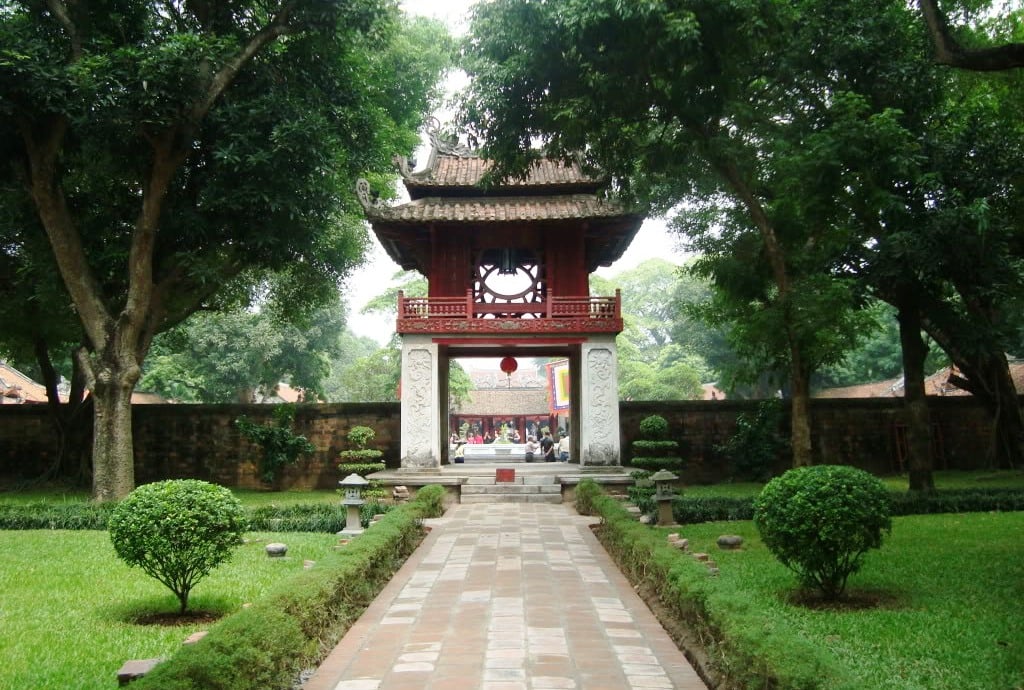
x=653, y=240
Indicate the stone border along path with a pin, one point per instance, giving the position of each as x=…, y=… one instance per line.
x=507, y=596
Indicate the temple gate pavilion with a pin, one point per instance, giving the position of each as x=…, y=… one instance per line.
x=507, y=268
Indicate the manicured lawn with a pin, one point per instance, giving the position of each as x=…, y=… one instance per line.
x=68, y=604
x=950, y=593
x=944, y=479
x=248, y=497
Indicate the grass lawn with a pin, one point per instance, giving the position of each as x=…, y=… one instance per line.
x=68, y=604
x=950, y=593
x=944, y=479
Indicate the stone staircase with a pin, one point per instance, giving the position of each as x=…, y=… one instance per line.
x=519, y=489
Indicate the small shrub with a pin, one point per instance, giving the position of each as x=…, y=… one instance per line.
x=757, y=443
x=281, y=446
x=177, y=531
x=641, y=493
x=654, y=427
x=820, y=522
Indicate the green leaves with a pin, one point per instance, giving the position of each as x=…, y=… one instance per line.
x=820, y=522
x=177, y=531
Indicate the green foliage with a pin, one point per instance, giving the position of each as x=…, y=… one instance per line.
x=820, y=522
x=654, y=451
x=177, y=531
x=266, y=645
x=359, y=436
x=757, y=443
x=281, y=446
x=654, y=427
x=230, y=356
x=641, y=492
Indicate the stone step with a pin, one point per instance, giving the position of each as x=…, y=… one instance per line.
x=512, y=498
x=523, y=489
x=521, y=480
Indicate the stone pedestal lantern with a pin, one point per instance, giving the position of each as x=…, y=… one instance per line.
x=353, y=487
x=664, y=493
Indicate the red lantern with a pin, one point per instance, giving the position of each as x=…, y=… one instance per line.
x=508, y=366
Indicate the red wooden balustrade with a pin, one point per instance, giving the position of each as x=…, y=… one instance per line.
x=585, y=307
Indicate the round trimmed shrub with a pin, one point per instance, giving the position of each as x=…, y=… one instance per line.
x=177, y=531
x=654, y=427
x=820, y=522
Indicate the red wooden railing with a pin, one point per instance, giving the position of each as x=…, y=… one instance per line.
x=586, y=307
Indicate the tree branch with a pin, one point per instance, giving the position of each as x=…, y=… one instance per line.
x=277, y=27
x=55, y=216
x=949, y=52
x=60, y=13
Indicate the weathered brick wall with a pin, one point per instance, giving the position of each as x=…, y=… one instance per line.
x=201, y=441
x=867, y=433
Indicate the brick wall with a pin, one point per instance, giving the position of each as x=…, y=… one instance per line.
x=201, y=441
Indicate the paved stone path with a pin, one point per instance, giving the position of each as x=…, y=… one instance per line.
x=507, y=597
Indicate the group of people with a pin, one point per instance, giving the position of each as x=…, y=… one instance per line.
x=475, y=437
x=548, y=449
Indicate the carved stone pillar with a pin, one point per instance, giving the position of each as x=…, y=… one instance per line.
x=421, y=414
x=599, y=403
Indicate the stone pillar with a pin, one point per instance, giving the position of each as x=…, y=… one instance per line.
x=599, y=403
x=421, y=414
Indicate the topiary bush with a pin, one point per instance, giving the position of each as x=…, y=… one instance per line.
x=362, y=460
x=654, y=451
x=177, y=531
x=654, y=427
x=820, y=522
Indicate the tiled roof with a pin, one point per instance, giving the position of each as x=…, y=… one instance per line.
x=467, y=171
x=510, y=403
x=499, y=209
x=936, y=384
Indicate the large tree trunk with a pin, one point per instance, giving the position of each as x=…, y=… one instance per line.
x=987, y=377
x=800, y=416
x=112, y=447
x=919, y=447
x=70, y=420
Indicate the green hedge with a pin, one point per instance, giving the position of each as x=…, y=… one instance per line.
x=659, y=447
x=655, y=464
x=727, y=622
x=305, y=517
x=44, y=515
x=264, y=647
x=690, y=510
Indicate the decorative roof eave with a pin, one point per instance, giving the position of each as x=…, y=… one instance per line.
x=494, y=209
x=455, y=169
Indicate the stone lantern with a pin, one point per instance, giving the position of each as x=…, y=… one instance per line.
x=353, y=487
x=663, y=494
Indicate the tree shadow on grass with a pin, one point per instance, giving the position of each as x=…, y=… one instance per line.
x=853, y=599
x=163, y=611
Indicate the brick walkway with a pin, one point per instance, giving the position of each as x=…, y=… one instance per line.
x=507, y=597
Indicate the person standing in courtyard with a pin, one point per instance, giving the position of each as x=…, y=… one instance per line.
x=563, y=447
x=547, y=447
x=531, y=448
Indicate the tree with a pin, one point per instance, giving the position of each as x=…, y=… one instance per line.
x=177, y=531
x=168, y=149
x=672, y=102
x=228, y=356
x=950, y=51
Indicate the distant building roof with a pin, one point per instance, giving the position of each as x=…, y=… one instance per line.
x=17, y=388
x=936, y=384
x=505, y=403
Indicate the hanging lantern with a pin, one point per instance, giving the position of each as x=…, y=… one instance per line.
x=509, y=366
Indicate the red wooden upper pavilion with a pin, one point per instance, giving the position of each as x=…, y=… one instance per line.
x=507, y=266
